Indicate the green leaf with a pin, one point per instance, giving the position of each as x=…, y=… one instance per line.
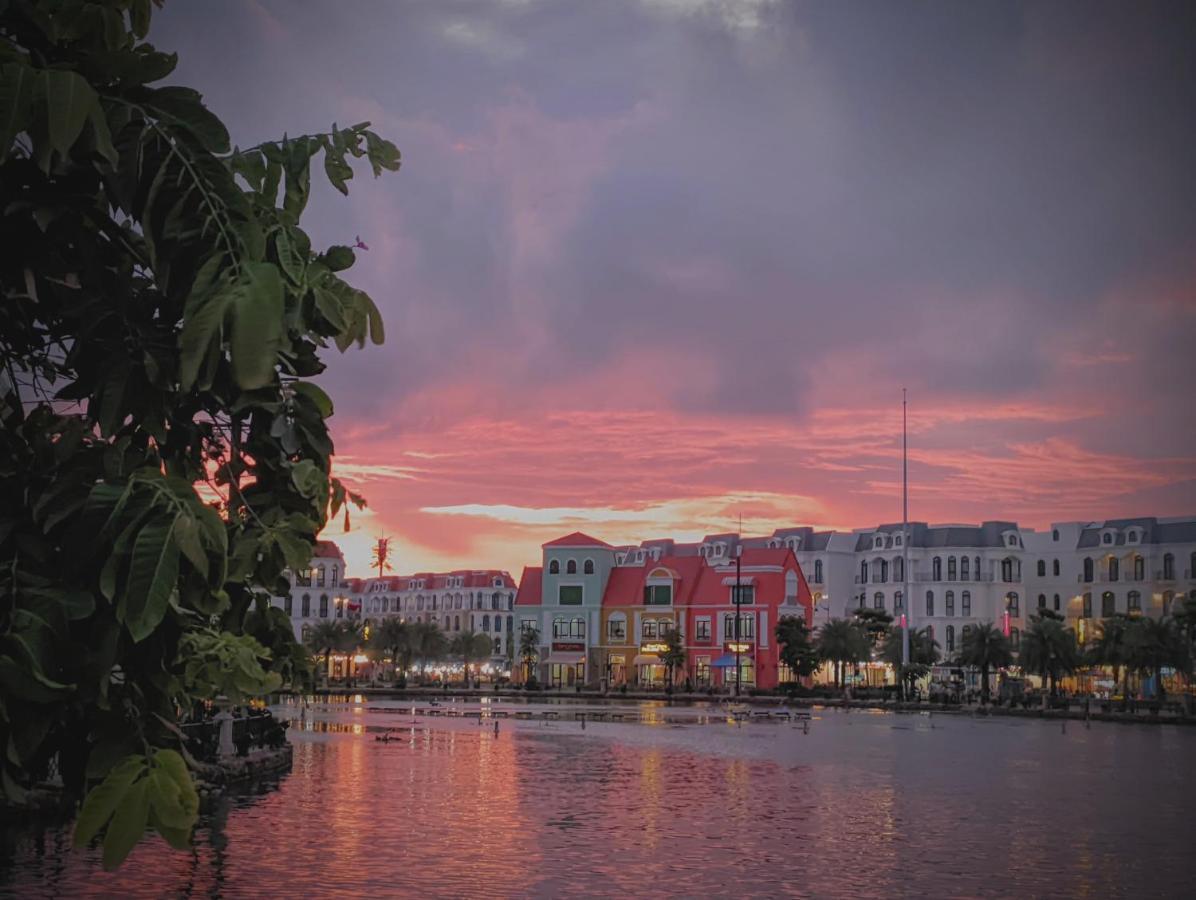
x=69, y=101
x=289, y=244
x=184, y=107
x=102, y=800
x=153, y=574
x=16, y=93
x=338, y=171
x=201, y=322
x=166, y=803
x=316, y=395
x=377, y=332
x=257, y=325
x=338, y=257
x=103, y=136
x=139, y=17
x=127, y=825
x=186, y=535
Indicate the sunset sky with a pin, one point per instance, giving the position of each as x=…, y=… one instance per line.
x=652, y=265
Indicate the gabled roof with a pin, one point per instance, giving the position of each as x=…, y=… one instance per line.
x=326, y=550
x=577, y=539
x=530, y=584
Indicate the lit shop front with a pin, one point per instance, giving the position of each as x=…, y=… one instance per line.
x=567, y=664
x=744, y=654
x=649, y=667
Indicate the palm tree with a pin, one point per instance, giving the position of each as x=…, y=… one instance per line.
x=1110, y=649
x=1049, y=651
x=674, y=655
x=428, y=643
x=1155, y=644
x=350, y=641
x=923, y=653
x=985, y=648
x=393, y=638
x=1185, y=624
x=322, y=640
x=842, y=641
x=797, y=646
x=470, y=645
x=529, y=650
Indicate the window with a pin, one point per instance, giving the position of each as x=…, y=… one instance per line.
x=1133, y=537
x=340, y=607
x=897, y=540
x=527, y=626
x=950, y=568
x=1042, y=568
x=702, y=628
x=702, y=670
x=306, y=605
x=744, y=594
x=1107, y=539
x=303, y=578
x=1108, y=604
x=569, y=595
x=1086, y=609
x=456, y=623
x=616, y=628
x=882, y=567
x=878, y=542
x=964, y=575
x=1139, y=568
x=1168, y=599
x=747, y=627
x=496, y=600
x=937, y=569
x=818, y=571
x=1008, y=569
x=658, y=595
x=288, y=605
x=878, y=600
x=791, y=587
x=1088, y=568
x=863, y=572
x=949, y=603
x=1055, y=568
x=554, y=567
x=335, y=581
x=930, y=603
x=1042, y=601
x=899, y=601
x=323, y=606
x=320, y=575
x=978, y=576
x=1013, y=540
x=571, y=567
x=560, y=627
x=485, y=623
x=1114, y=568
x=1015, y=639
x=649, y=629
x=588, y=568
x=1056, y=603
x=950, y=638
x=1011, y=604
x=898, y=569
x=1133, y=601
x=966, y=600
x=1055, y=534
x=1168, y=566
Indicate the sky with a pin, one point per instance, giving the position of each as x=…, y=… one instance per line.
x=651, y=266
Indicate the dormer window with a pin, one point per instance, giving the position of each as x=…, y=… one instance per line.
x=878, y=542
x=1013, y=540
x=1133, y=537
x=1055, y=534
x=897, y=540
x=1107, y=538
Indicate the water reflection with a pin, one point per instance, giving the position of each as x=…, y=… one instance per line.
x=863, y=805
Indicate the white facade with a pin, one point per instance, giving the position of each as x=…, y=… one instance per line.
x=319, y=594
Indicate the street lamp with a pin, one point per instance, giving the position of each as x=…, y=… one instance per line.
x=738, y=600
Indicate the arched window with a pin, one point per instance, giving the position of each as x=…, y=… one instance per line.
x=1011, y=604
x=1008, y=569
x=1055, y=534
x=1133, y=601
x=964, y=574
x=1015, y=639
x=577, y=628
x=950, y=568
x=510, y=623
x=883, y=565
x=306, y=605
x=1086, y=607
x=1107, y=539
x=1139, y=569
x=335, y=572
x=978, y=568
x=571, y=567
x=937, y=569
x=456, y=623
x=790, y=586
x=1042, y=568
x=878, y=600
x=863, y=571
x=1168, y=599
x=1108, y=604
x=323, y=606
x=288, y=605
x=1168, y=567
x=554, y=568
x=1114, y=568
x=1057, y=603
x=588, y=568
x=930, y=603
x=1088, y=568
x=950, y=638
x=898, y=569
x=320, y=575
x=485, y=623
x=560, y=627
x=1042, y=601
x=949, y=603
x=965, y=600
x=818, y=571
x=899, y=601
x=1055, y=568
x=340, y=607
x=616, y=628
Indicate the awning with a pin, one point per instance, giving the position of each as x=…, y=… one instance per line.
x=565, y=659
x=643, y=659
x=726, y=661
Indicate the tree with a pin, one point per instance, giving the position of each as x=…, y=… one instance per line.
x=985, y=647
x=923, y=653
x=1185, y=625
x=674, y=656
x=876, y=624
x=842, y=642
x=381, y=556
x=529, y=651
x=1110, y=647
x=393, y=638
x=470, y=645
x=322, y=640
x=164, y=455
x=1048, y=650
x=796, y=644
x=428, y=644
x=1153, y=645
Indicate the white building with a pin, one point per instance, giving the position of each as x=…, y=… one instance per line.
x=320, y=593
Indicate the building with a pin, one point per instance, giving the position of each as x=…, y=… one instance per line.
x=603, y=614
x=319, y=593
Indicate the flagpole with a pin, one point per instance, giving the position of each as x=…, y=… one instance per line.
x=907, y=604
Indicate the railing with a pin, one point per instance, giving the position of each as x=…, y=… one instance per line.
x=927, y=578
x=255, y=731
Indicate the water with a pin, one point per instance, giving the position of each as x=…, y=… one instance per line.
x=865, y=804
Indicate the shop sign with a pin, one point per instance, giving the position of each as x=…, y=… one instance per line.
x=568, y=647
x=654, y=648
x=738, y=648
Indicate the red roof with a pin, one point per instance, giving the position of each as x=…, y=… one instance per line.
x=327, y=550
x=626, y=584
x=577, y=539
x=529, y=586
